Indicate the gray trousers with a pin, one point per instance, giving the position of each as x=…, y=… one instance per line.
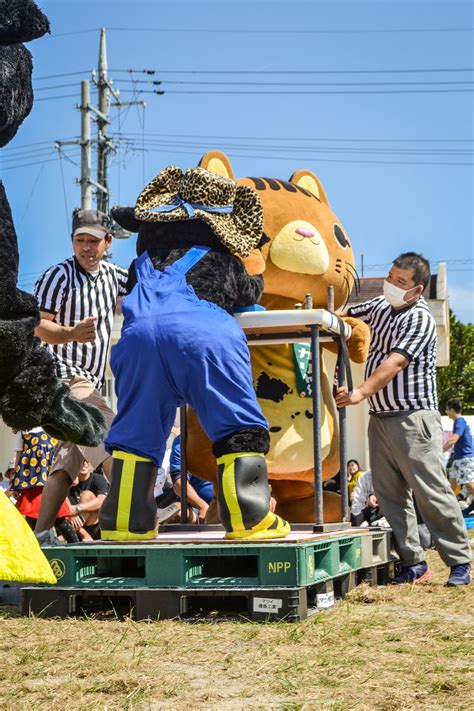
x=406, y=459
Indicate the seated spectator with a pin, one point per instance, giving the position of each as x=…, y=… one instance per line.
x=199, y=491
x=353, y=473
x=33, y=461
x=333, y=484
x=86, y=496
x=365, y=508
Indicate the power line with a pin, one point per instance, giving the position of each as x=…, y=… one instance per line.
x=296, y=138
x=58, y=76
x=318, y=160
x=131, y=142
x=52, y=98
x=37, y=143
x=28, y=165
x=288, y=31
x=56, y=86
x=34, y=154
x=283, y=83
x=308, y=93
x=293, y=71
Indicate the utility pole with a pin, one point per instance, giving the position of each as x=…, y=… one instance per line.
x=86, y=185
x=100, y=115
x=103, y=143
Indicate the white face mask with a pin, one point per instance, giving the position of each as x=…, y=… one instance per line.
x=394, y=295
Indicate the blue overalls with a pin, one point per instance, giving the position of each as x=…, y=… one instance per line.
x=176, y=349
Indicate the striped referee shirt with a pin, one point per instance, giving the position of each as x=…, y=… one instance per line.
x=71, y=293
x=412, y=332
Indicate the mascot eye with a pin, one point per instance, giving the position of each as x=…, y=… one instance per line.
x=340, y=236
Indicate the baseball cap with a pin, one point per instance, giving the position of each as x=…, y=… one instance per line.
x=91, y=222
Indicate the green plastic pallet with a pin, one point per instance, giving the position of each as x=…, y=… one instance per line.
x=282, y=564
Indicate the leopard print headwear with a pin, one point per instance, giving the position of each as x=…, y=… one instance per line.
x=234, y=212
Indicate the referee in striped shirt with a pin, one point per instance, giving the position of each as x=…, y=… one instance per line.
x=405, y=426
x=77, y=300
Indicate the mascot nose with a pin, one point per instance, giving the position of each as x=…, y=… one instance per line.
x=304, y=233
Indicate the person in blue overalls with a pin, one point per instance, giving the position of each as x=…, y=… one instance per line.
x=180, y=344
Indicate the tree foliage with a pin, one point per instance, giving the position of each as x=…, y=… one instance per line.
x=457, y=379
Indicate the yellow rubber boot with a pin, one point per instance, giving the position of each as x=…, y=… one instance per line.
x=244, y=498
x=129, y=509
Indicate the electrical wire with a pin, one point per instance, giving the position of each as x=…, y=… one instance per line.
x=28, y=165
x=58, y=76
x=288, y=31
x=309, y=93
x=295, y=71
x=25, y=146
x=214, y=143
x=212, y=82
x=66, y=209
x=191, y=152
x=296, y=138
x=52, y=98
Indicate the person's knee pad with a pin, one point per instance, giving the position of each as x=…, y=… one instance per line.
x=244, y=498
x=129, y=509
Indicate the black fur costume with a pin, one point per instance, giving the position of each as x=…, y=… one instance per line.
x=30, y=393
x=220, y=277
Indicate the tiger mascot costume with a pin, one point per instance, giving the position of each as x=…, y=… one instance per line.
x=308, y=250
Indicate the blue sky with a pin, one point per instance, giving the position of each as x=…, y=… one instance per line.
x=290, y=85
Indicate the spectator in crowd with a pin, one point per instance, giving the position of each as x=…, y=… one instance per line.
x=7, y=480
x=462, y=467
x=34, y=454
x=199, y=491
x=77, y=300
x=353, y=473
x=4, y=482
x=405, y=426
x=364, y=505
x=86, y=496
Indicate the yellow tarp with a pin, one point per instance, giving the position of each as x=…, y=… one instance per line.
x=21, y=558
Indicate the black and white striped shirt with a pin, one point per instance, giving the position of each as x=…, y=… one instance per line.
x=71, y=293
x=412, y=332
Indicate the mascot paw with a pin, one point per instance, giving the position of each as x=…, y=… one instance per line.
x=70, y=420
x=255, y=263
x=359, y=342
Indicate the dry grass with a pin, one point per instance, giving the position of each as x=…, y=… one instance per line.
x=385, y=649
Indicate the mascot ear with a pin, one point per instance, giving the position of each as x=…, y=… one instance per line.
x=125, y=217
x=307, y=180
x=217, y=162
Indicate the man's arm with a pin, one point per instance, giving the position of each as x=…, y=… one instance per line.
x=450, y=442
x=193, y=498
x=57, y=334
x=88, y=506
x=381, y=376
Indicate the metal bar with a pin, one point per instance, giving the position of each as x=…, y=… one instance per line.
x=318, y=465
x=183, y=472
x=343, y=447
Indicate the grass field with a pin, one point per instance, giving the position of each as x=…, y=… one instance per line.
x=385, y=649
